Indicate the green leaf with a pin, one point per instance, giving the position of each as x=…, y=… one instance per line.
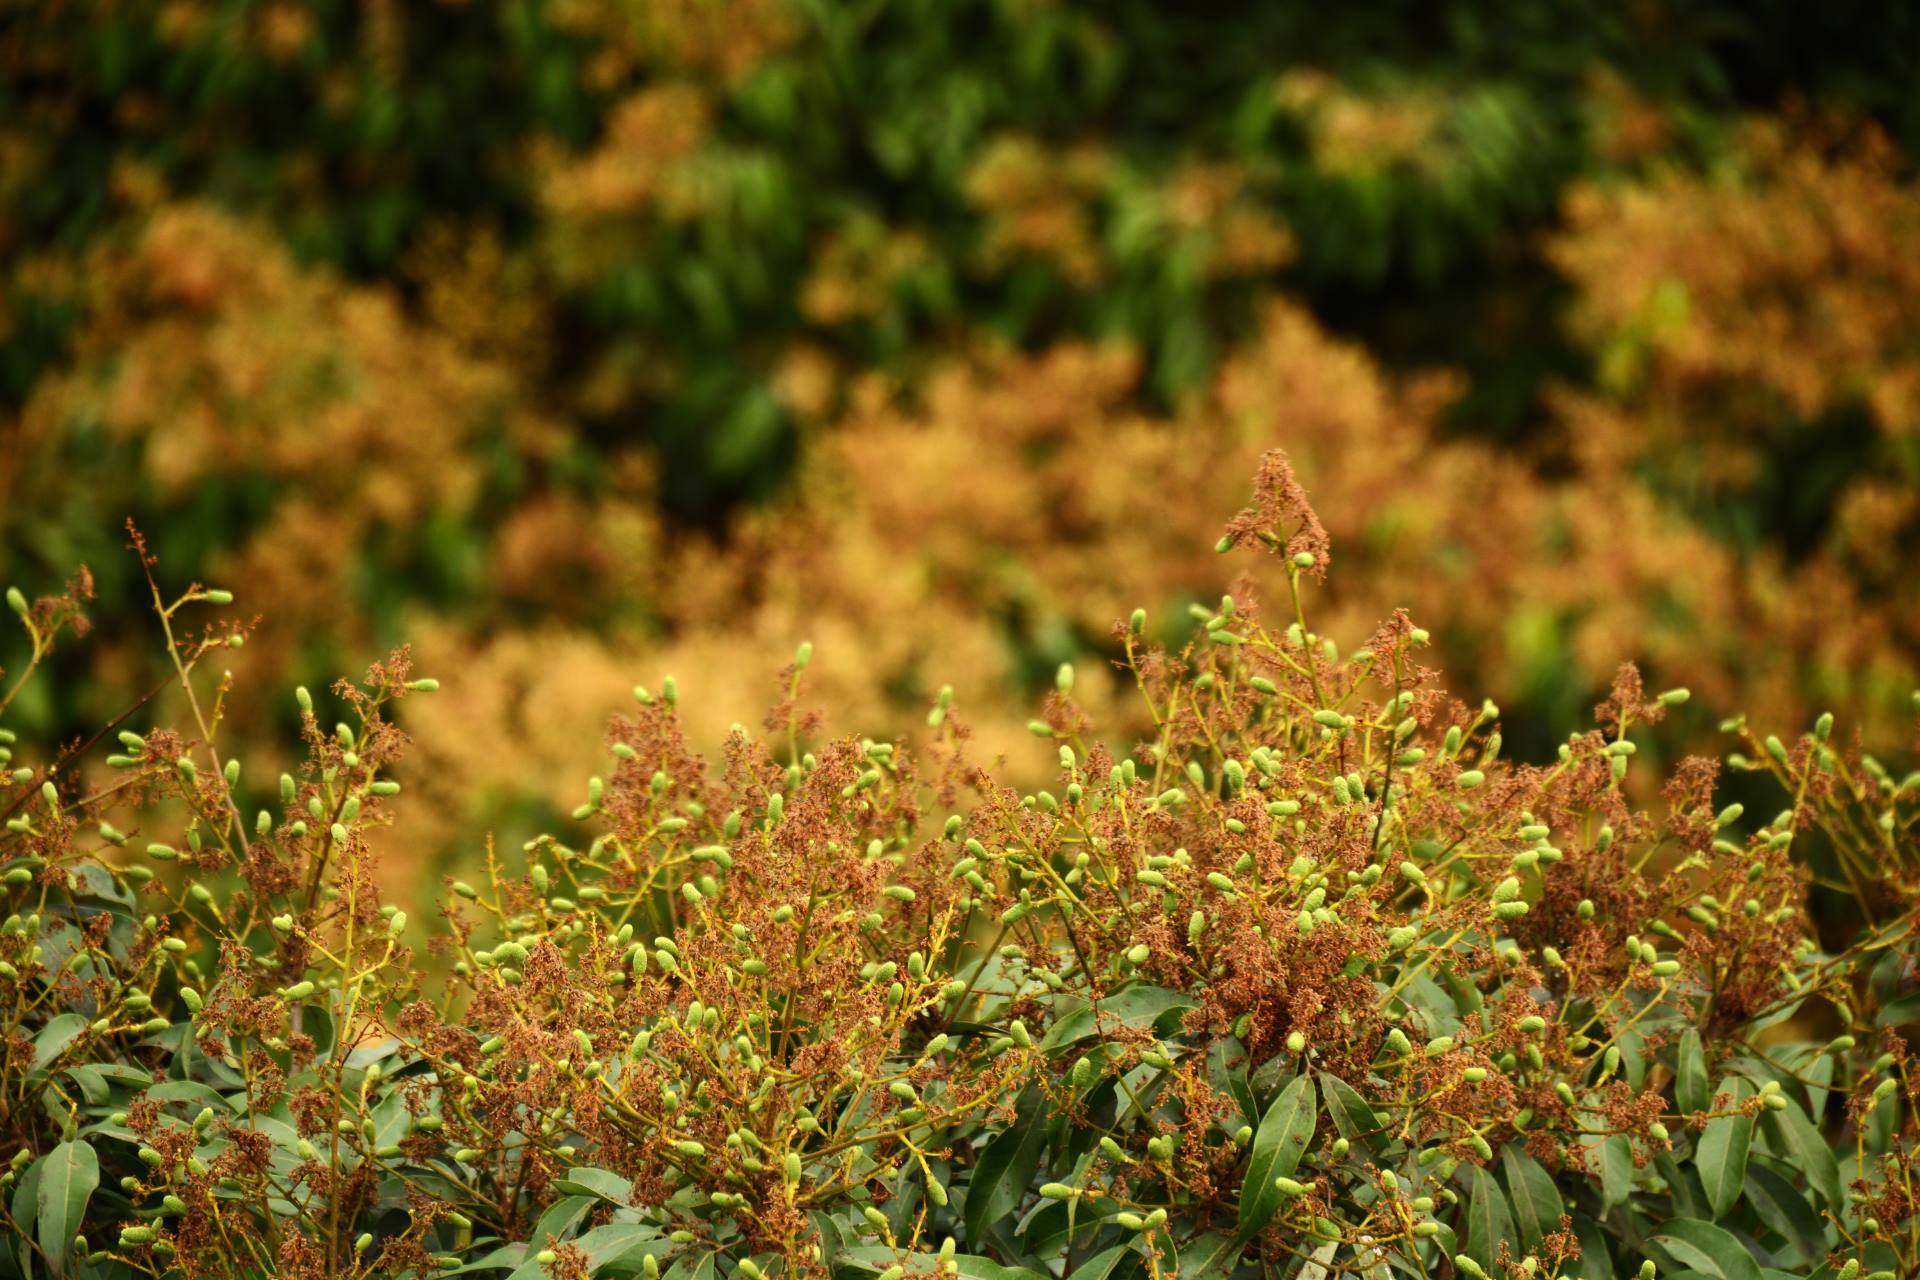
x=560, y=1221
x=695, y=1266
x=1135, y=1008
x=1690, y=1074
x=391, y=1120
x=54, y=1039
x=93, y=1085
x=589, y=1181
x=1794, y=1137
x=1616, y=1172
x=1632, y=1043
x=124, y=1073
x=1701, y=1246
x=1489, y=1225
x=25, y=1208
x=1227, y=1072
x=877, y=1258
x=1045, y=1233
x=1722, y=1154
x=189, y=1096
x=91, y=880
x=621, y=1242
x=1352, y=1115
x=504, y=1258
x=1006, y=1167
x=1814, y=1069
x=1319, y=1262
x=1899, y=1013
x=1102, y=1265
x=1683, y=1186
x=67, y=1180
x=1434, y=1008
x=1785, y=1209
x=1213, y=1254
x=1594, y=1263
x=1536, y=1201
x=1278, y=1145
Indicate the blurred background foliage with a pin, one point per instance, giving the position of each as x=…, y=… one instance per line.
x=582, y=341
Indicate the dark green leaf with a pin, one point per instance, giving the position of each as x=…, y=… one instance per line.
x=1536, y=1201
x=1227, y=1072
x=25, y=1208
x=1633, y=1055
x=1278, y=1145
x=68, y=1177
x=1722, y=1154
x=562, y=1218
x=505, y=1258
x=1103, y=1265
x=621, y=1242
x=93, y=1086
x=1352, y=1116
x=1489, y=1224
x=1794, y=1137
x=1435, y=1009
x=1616, y=1171
x=1006, y=1167
x=54, y=1039
x=1703, y=1247
x=696, y=1266
x=89, y=879
x=1899, y=1013
x=1046, y=1231
x=1784, y=1208
x=1690, y=1074
x=590, y=1181
x=1594, y=1263
x=1135, y=1008
x=877, y=1258
x=1209, y=1256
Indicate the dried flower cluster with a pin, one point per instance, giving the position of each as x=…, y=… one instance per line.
x=1312, y=980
